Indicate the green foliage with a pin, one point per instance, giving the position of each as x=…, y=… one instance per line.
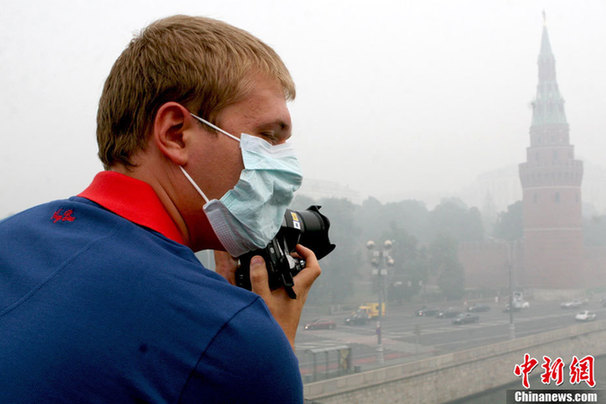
x=445, y=265
x=410, y=263
x=424, y=241
x=338, y=268
x=453, y=218
x=510, y=225
x=425, y=244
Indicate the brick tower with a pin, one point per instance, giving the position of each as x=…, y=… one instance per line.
x=551, y=181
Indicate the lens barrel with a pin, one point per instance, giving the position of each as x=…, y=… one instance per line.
x=309, y=228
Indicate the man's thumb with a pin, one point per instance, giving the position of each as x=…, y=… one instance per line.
x=258, y=276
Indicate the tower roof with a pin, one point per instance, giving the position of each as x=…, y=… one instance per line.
x=548, y=106
x=545, y=44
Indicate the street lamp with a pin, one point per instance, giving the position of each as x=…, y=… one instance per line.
x=511, y=246
x=380, y=260
x=512, y=326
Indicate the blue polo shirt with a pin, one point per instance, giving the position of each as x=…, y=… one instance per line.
x=101, y=302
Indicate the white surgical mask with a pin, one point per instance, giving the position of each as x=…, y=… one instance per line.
x=249, y=215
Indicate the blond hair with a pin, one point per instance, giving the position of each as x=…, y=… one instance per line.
x=201, y=63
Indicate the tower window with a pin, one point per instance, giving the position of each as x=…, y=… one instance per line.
x=556, y=197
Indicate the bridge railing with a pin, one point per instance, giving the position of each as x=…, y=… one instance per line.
x=458, y=374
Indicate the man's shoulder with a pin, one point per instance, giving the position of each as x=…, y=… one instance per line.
x=84, y=242
x=249, y=360
x=76, y=221
x=68, y=215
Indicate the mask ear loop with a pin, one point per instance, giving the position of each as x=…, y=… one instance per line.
x=218, y=129
x=215, y=127
x=194, y=184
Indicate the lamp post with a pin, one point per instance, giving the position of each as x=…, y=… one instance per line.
x=512, y=326
x=380, y=260
x=510, y=263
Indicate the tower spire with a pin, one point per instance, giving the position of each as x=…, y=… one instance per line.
x=545, y=44
x=551, y=182
x=548, y=107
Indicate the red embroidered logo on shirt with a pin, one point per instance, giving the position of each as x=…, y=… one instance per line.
x=60, y=216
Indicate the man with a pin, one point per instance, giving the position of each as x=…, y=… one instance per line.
x=101, y=296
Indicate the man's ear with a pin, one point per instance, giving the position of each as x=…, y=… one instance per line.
x=170, y=131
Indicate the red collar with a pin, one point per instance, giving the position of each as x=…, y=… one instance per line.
x=133, y=200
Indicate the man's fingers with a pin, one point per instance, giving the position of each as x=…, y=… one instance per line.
x=312, y=270
x=308, y=255
x=303, y=280
x=258, y=276
x=225, y=265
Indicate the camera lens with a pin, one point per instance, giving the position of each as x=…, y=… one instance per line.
x=314, y=234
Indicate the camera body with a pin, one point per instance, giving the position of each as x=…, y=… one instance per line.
x=309, y=228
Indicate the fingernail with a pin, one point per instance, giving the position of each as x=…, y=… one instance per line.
x=256, y=260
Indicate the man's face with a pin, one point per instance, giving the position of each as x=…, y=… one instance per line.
x=217, y=160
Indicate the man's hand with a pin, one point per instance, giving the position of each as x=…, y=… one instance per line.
x=225, y=265
x=285, y=310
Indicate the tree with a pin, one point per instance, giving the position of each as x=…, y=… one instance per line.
x=410, y=263
x=375, y=218
x=340, y=267
x=509, y=225
x=445, y=265
x=452, y=217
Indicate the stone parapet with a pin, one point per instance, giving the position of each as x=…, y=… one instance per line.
x=459, y=374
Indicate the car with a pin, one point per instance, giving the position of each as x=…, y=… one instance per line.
x=517, y=305
x=321, y=324
x=507, y=308
x=427, y=312
x=521, y=304
x=357, y=317
x=474, y=308
x=573, y=304
x=465, y=318
x=585, y=315
x=449, y=313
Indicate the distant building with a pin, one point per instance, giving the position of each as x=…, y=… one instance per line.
x=551, y=182
x=551, y=259
x=503, y=187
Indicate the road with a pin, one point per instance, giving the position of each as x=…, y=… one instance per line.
x=406, y=337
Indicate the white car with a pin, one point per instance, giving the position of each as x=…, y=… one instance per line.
x=573, y=304
x=585, y=315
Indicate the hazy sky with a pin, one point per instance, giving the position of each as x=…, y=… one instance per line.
x=392, y=95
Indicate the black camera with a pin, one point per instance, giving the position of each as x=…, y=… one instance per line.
x=309, y=228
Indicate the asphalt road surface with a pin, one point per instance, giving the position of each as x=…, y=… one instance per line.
x=406, y=337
